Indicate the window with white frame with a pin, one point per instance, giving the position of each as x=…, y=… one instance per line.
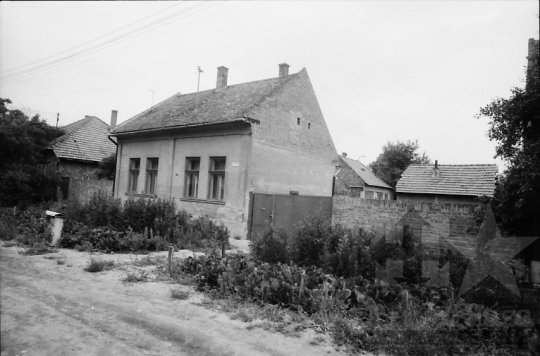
x=217, y=178
x=191, y=184
x=151, y=175
x=134, y=168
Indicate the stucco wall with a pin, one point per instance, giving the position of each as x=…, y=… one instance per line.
x=279, y=171
x=172, y=151
x=292, y=147
x=83, y=189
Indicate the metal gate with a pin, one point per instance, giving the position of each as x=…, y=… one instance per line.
x=285, y=211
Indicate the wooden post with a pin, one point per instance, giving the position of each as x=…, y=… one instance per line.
x=171, y=249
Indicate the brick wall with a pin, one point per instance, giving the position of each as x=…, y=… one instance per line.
x=83, y=189
x=449, y=221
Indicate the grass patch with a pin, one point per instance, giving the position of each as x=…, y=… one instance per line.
x=136, y=278
x=10, y=244
x=178, y=294
x=147, y=261
x=98, y=265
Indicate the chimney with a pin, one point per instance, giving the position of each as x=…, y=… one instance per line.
x=436, y=173
x=222, y=73
x=344, y=154
x=283, y=69
x=114, y=115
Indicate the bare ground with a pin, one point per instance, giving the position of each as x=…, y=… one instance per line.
x=59, y=309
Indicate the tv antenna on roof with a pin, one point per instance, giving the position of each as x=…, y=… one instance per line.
x=199, y=70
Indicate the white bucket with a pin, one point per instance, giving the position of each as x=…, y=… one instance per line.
x=535, y=271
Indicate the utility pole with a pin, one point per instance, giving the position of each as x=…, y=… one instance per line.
x=199, y=70
x=57, y=118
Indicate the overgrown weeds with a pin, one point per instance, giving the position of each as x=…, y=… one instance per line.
x=39, y=249
x=98, y=265
x=136, y=278
x=365, y=314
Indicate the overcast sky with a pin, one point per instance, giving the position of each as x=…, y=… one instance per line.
x=382, y=71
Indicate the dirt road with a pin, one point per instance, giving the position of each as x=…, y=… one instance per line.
x=52, y=309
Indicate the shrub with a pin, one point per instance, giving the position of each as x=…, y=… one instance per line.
x=271, y=246
x=98, y=265
x=178, y=294
x=7, y=231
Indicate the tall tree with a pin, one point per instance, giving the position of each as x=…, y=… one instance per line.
x=395, y=158
x=515, y=125
x=23, y=174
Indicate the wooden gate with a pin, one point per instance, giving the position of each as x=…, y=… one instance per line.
x=285, y=211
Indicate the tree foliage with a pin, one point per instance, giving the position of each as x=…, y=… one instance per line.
x=107, y=167
x=24, y=176
x=395, y=158
x=515, y=125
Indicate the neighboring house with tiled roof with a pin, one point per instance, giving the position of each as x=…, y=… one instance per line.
x=209, y=150
x=447, y=183
x=78, y=152
x=356, y=180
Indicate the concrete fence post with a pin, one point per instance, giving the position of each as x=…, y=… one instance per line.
x=171, y=250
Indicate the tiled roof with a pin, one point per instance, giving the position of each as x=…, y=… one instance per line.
x=84, y=140
x=365, y=173
x=472, y=180
x=207, y=107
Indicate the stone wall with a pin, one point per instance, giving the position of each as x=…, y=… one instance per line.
x=83, y=189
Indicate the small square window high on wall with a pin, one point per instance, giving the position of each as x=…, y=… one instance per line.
x=216, y=189
x=151, y=175
x=134, y=168
x=191, y=183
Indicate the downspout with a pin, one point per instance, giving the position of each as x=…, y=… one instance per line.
x=114, y=179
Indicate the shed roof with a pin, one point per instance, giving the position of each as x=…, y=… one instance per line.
x=84, y=140
x=471, y=180
x=365, y=173
x=206, y=107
